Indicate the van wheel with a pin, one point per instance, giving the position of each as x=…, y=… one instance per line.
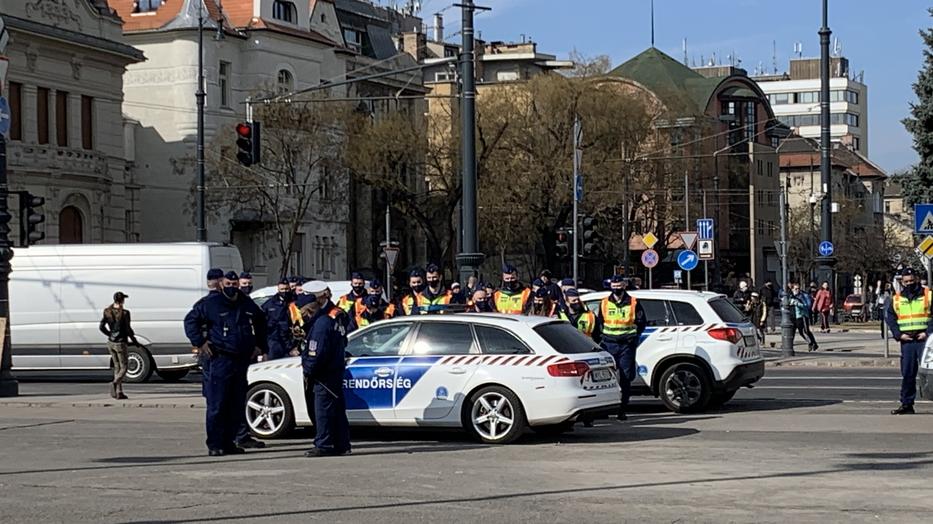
x=494, y=415
x=172, y=375
x=269, y=411
x=685, y=388
x=138, y=365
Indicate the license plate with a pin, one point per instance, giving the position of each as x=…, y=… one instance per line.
x=750, y=341
x=601, y=375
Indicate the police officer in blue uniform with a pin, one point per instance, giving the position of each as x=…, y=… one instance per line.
x=214, y=284
x=229, y=329
x=278, y=322
x=323, y=359
x=909, y=315
x=620, y=332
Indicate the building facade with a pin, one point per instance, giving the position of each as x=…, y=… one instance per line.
x=795, y=99
x=67, y=142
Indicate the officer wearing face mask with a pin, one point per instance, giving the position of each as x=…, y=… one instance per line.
x=578, y=315
x=412, y=302
x=279, y=321
x=621, y=321
x=246, y=283
x=230, y=330
x=479, y=302
x=513, y=298
x=373, y=312
x=542, y=305
x=352, y=302
x=909, y=317
x=376, y=289
x=435, y=294
x=321, y=296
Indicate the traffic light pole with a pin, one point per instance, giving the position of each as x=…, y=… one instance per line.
x=8, y=385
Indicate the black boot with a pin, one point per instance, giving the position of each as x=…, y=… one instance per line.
x=903, y=409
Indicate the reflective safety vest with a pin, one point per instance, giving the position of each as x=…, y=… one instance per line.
x=618, y=320
x=348, y=301
x=511, y=304
x=410, y=300
x=586, y=322
x=294, y=313
x=912, y=315
x=440, y=300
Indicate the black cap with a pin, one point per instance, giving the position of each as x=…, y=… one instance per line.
x=246, y=275
x=119, y=296
x=215, y=274
x=231, y=275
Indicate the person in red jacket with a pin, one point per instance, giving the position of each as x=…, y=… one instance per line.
x=823, y=304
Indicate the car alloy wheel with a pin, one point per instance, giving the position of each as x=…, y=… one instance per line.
x=684, y=388
x=493, y=416
x=265, y=412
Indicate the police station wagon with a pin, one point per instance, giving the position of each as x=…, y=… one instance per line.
x=493, y=375
x=697, y=350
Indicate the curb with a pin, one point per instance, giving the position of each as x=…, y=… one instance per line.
x=835, y=363
x=51, y=404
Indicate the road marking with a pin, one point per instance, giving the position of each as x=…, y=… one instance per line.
x=829, y=387
x=766, y=377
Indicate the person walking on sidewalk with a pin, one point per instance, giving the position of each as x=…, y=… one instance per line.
x=823, y=304
x=909, y=318
x=800, y=302
x=116, y=325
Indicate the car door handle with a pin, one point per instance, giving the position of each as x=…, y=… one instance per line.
x=665, y=337
x=457, y=371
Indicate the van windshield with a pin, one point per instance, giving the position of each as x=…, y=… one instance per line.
x=566, y=339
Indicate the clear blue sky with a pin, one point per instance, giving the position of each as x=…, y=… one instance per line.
x=877, y=36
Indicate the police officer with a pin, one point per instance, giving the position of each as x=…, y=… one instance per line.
x=909, y=317
x=321, y=295
x=373, y=311
x=376, y=289
x=323, y=360
x=578, y=315
x=235, y=333
x=435, y=294
x=513, y=298
x=214, y=285
x=352, y=302
x=621, y=321
x=246, y=283
x=278, y=313
x=479, y=301
x=411, y=303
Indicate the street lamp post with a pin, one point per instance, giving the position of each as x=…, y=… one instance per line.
x=826, y=263
x=813, y=201
x=200, y=95
x=8, y=385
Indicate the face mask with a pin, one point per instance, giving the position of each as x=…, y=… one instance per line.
x=512, y=285
x=484, y=306
x=418, y=288
x=618, y=292
x=358, y=289
x=434, y=284
x=576, y=308
x=287, y=296
x=230, y=292
x=246, y=289
x=913, y=287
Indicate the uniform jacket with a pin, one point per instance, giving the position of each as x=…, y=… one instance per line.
x=323, y=356
x=641, y=321
x=890, y=316
x=278, y=320
x=231, y=326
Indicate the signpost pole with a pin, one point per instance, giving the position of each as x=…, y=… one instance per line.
x=577, y=130
x=650, y=279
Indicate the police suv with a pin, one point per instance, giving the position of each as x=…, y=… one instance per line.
x=697, y=350
x=491, y=374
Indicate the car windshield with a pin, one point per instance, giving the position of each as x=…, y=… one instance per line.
x=727, y=311
x=566, y=339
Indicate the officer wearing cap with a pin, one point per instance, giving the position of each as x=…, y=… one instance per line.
x=279, y=321
x=214, y=285
x=513, y=298
x=229, y=329
x=578, y=315
x=373, y=311
x=542, y=305
x=412, y=302
x=352, y=302
x=376, y=289
x=320, y=295
x=292, y=282
x=323, y=360
x=246, y=283
x=621, y=321
x=909, y=318
x=435, y=294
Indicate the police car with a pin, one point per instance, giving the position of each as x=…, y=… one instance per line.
x=697, y=350
x=490, y=374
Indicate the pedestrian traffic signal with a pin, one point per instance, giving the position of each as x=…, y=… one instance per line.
x=564, y=244
x=590, y=236
x=30, y=216
x=248, y=143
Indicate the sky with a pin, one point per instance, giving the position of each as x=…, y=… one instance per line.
x=878, y=37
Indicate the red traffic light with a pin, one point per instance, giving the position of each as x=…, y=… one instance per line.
x=562, y=237
x=244, y=130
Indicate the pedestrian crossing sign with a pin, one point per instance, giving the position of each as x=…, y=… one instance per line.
x=923, y=219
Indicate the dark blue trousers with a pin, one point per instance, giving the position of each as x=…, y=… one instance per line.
x=911, y=353
x=277, y=348
x=623, y=351
x=330, y=419
x=225, y=389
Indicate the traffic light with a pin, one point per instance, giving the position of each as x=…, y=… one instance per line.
x=564, y=244
x=248, y=143
x=30, y=216
x=590, y=236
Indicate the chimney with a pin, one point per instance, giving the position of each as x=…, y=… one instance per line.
x=438, y=27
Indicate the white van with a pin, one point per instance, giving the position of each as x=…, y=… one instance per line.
x=58, y=294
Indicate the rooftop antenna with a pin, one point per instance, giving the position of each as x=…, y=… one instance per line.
x=774, y=55
x=837, y=47
x=685, y=51
x=798, y=49
x=652, y=23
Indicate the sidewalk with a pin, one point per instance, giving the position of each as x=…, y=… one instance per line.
x=193, y=401
x=840, y=348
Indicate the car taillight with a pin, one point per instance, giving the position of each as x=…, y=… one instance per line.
x=728, y=334
x=568, y=369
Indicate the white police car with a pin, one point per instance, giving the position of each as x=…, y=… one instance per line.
x=697, y=350
x=491, y=374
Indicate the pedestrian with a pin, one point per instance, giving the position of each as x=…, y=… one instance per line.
x=547, y=281
x=324, y=364
x=479, y=302
x=542, y=305
x=246, y=283
x=757, y=312
x=579, y=316
x=116, y=325
x=814, y=315
x=412, y=302
x=352, y=302
x=909, y=318
x=621, y=321
x=280, y=339
x=823, y=304
x=769, y=297
x=800, y=302
x=741, y=295
x=456, y=293
x=230, y=329
x=471, y=285
x=513, y=298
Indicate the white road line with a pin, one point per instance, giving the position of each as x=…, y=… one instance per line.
x=864, y=388
x=769, y=377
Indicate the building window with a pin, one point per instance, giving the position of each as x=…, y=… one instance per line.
x=61, y=118
x=751, y=121
x=284, y=11
x=16, y=111
x=443, y=76
x=324, y=186
x=87, y=122
x=223, y=81
x=353, y=39
x=856, y=142
x=42, y=115
x=70, y=226
x=770, y=169
x=808, y=97
x=780, y=98
x=147, y=6
x=284, y=82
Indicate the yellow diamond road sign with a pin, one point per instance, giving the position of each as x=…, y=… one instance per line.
x=926, y=247
x=650, y=240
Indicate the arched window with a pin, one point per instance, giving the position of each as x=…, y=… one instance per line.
x=70, y=226
x=284, y=82
x=284, y=11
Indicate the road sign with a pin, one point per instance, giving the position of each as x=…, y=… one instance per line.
x=705, y=250
x=923, y=218
x=650, y=240
x=678, y=276
x=4, y=116
x=689, y=239
x=926, y=247
x=687, y=260
x=391, y=256
x=578, y=188
x=705, y=228
x=650, y=258
x=826, y=249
